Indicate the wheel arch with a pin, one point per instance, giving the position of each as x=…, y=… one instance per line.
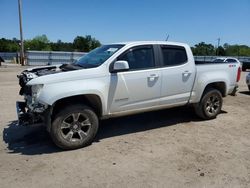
x=91, y=100
x=220, y=86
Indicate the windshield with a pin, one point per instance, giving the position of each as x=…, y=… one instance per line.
x=98, y=56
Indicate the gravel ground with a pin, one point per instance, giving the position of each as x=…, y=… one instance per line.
x=169, y=148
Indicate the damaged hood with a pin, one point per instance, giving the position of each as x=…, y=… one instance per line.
x=55, y=74
x=35, y=72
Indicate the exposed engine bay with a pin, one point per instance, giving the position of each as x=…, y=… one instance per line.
x=29, y=111
x=30, y=74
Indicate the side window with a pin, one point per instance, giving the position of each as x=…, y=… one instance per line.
x=173, y=55
x=139, y=57
x=231, y=60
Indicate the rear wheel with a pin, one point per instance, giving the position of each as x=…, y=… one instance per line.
x=74, y=127
x=210, y=105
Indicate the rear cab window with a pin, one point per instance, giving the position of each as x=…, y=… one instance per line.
x=173, y=55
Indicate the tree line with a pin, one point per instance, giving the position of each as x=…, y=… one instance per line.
x=203, y=49
x=87, y=43
x=42, y=43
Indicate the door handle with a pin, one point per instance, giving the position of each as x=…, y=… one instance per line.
x=186, y=73
x=152, y=77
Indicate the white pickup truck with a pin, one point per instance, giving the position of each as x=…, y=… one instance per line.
x=121, y=79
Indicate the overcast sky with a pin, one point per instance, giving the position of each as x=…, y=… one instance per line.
x=190, y=21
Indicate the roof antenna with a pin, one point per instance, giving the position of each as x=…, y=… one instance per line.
x=167, y=37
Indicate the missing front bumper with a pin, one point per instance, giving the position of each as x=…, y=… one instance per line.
x=22, y=114
x=25, y=117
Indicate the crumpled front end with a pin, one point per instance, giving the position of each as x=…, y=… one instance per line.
x=26, y=116
x=30, y=111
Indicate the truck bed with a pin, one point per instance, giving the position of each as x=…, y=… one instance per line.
x=214, y=72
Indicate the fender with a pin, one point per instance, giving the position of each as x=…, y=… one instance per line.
x=203, y=79
x=56, y=91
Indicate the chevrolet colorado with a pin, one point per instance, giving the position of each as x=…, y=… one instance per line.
x=121, y=79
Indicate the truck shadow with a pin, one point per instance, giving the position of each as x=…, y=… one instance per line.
x=146, y=121
x=36, y=140
x=28, y=140
x=245, y=92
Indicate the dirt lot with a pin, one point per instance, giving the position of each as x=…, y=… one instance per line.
x=169, y=148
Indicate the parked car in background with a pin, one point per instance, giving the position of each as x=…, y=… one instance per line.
x=248, y=81
x=245, y=64
x=226, y=60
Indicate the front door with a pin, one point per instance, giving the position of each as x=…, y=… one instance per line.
x=139, y=87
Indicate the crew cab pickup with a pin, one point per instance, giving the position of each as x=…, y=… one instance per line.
x=117, y=80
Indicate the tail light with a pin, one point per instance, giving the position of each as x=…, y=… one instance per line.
x=238, y=74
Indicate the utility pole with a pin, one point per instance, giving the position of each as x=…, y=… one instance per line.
x=218, y=46
x=21, y=32
x=167, y=37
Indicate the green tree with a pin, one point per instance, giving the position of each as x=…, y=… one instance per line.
x=38, y=43
x=42, y=43
x=220, y=51
x=7, y=45
x=203, y=49
x=237, y=50
x=61, y=46
x=86, y=43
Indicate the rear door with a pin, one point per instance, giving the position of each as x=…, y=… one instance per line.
x=139, y=87
x=178, y=74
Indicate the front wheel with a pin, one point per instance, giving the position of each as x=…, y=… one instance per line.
x=210, y=105
x=74, y=127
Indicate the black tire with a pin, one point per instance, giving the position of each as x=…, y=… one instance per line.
x=249, y=87
x=74, y=127
x=210, y=104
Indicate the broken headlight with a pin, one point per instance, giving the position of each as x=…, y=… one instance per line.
x=36, y=89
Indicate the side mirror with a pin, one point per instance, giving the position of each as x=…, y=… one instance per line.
x=120, y=66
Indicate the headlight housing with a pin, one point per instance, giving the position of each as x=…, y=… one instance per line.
x=36, y=89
